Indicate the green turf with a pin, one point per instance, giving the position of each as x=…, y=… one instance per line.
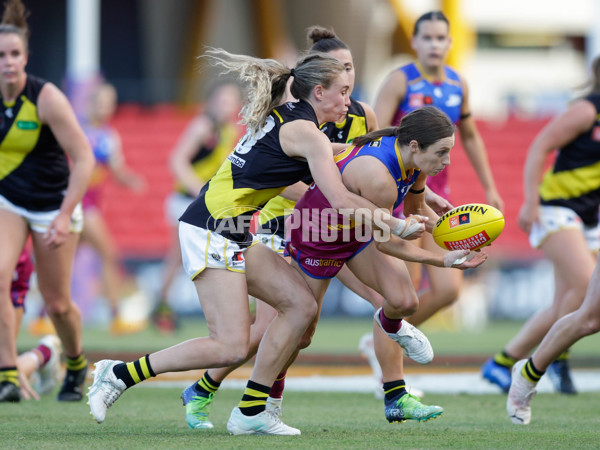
x=154, y=418
x=333, y=336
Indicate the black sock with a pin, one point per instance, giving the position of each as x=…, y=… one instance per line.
x=10, y=374
x=206, y=385
x=254, y=399
x=394, y=389
x=78, y=363
x=530, y=372
x=504, y=359
x=135, y=372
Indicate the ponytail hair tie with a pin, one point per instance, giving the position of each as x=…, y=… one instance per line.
x=292, y=73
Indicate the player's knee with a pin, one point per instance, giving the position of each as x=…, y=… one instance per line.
x=405, y=303
x=590, y=325
x=302, y=307
x=58, y=308
x=306, y=338
x=234, y=354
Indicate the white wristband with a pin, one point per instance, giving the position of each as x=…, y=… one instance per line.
x=400, y=228
x=407, y=227
x=457, y=257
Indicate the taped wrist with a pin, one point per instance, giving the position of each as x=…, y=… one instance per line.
x=407, y=227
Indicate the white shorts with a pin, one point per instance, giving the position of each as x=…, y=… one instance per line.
x=201, y=249
x=556, y=218
x=273, y=241
x=175, y=205
x=39, y=221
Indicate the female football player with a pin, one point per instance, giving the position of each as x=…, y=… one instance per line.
x=429, y=81
x=44, y=171
x=282, y=146
x=560, y=212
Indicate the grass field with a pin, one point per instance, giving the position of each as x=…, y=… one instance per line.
x=333, y=336
x=154, y=418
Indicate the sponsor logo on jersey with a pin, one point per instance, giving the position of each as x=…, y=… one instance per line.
x=453, y=100
x=236, y=160
x=415, y=100
x=27, y=125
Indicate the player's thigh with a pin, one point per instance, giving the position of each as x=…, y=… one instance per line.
x=223, y=297
x=271, y=279
x=572, y=260
x=590, y=309
x=13, y=235
x=441, y=278
x=54, y=267
x=350, y=280
x=387, y=275
x=96, y=233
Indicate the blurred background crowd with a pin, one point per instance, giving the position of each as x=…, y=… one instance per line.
x=523, y=61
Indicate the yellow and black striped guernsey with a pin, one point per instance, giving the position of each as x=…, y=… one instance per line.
x=574, y=180
x=255, y=172
x=34, y=171
x=272, y=217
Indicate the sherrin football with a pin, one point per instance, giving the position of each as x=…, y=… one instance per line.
x=469, y=227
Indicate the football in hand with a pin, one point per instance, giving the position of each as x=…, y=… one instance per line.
x=468, y=227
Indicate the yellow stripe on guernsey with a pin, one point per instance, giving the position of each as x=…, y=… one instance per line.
x=341, y=155
x=239, y=201
x=21, y=139
x=405, y=176
x=570, y=183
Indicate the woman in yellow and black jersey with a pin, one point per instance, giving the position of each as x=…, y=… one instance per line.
x=360, y=119
x=256, y=171
x=39, y=197
x=574, y=180
x=282, y=145
x=34, y=162
x=196, y=157
x=272, y=217
x=560, y=214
